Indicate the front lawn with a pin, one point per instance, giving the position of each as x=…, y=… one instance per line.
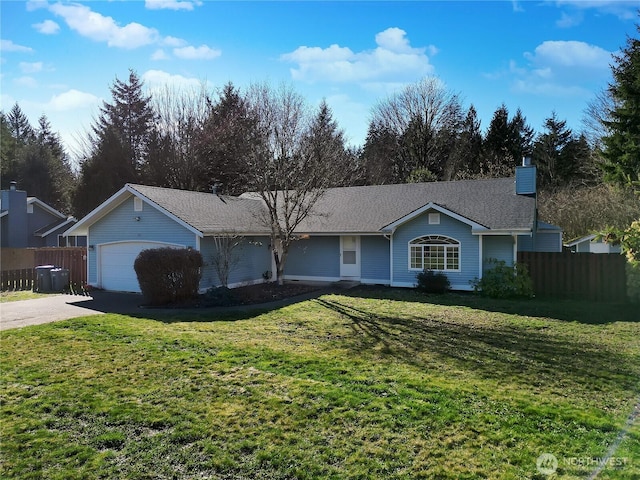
x=18, y=295
x=374, y=383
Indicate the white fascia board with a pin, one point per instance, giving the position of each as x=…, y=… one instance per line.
x=3, y=213
x=341, y=234
x=578, y=240
x=510, y=232
x=44, y=206
x=432, y=206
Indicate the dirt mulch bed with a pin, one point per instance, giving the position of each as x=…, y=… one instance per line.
x=270, y=292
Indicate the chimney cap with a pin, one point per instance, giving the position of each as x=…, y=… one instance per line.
x=526, y=161
x=13, y=185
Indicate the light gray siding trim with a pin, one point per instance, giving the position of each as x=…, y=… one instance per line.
x=375, y=260
x=314, y=257
x=450, y=227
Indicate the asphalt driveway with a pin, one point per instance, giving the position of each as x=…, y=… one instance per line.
x=62, y=307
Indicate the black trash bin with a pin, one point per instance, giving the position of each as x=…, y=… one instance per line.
x=43, y=278
x=59, y=279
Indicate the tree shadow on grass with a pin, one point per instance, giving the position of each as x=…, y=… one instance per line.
x=501, y=351
x=581, y=311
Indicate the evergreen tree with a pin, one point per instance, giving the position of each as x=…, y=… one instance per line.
x=20, y=133
x=228, y=137
x=521, y=137
x=622, y=145
x=468, y=150
x=119, y=145
x=561, y=157
x=498, y=160
x=324, y=144
x=380, y=158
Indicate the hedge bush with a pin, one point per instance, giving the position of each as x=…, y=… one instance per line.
x=168, y=275
x=429, y=281
x=503, y=281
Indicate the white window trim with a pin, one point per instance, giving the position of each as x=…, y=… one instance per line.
x=456, y=244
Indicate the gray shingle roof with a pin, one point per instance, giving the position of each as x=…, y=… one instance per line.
x=207, y=212
x=491, y=203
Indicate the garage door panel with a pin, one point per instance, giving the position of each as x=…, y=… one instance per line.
x=116, y=265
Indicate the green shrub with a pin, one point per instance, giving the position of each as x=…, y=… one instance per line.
x=503, y=281
x=168, y=275
x=429, y=281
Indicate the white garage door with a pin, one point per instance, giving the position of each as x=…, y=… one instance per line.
x=116, y=264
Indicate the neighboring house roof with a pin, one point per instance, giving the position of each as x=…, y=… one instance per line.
x=52, y=227
x=547, y=227
x=486, y=205
x=586, y=238
x=44, y=206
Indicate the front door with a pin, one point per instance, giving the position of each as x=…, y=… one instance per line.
x=350, y=257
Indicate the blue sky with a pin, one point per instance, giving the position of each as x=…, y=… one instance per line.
x=60, y=58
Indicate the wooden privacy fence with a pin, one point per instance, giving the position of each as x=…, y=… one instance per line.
x=22, y=279
x=73, y=259
x=600, y=277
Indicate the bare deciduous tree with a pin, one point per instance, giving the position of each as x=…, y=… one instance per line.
x=424, y=116
x=227, y=256
x=281, y=169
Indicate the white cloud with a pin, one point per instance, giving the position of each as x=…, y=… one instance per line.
x=568, y=21
x=203, y=52
x=170, y=41
x=159, y=54
x=98, y=27
x=9, y=46
x=559, y=69
x=71, y=100
x=26, y=81
x=33, y=5
x=48, y=27
x=624, y=9
x=570, y=54
x=172, y=4
x=393, y=59
x=515, y=5
x=154, y=79
x=31, y=67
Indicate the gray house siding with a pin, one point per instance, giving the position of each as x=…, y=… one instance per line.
x=254, y=258
x=450, y=227
x=121, y=226
x=499, y=248
x=314, y=257
x=35, y=221
x=375, y=259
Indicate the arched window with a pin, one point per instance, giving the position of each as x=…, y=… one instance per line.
x=434, y=252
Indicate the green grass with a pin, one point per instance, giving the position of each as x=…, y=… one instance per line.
x=377, y=383
x=15, y=296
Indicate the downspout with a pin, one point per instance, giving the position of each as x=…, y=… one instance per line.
x=480, y=256
x=515, y=249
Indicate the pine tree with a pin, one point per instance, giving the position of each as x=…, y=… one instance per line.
x=324, y=144
x=119, y=145
x=622, y=145
x=467, y=155
x=555, y=161
x=498, y=160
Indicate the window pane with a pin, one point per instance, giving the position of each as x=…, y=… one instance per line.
x=349, y=257
x=453, y=258
x=416, y=257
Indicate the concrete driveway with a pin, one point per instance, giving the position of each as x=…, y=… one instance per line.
x=62, y=307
